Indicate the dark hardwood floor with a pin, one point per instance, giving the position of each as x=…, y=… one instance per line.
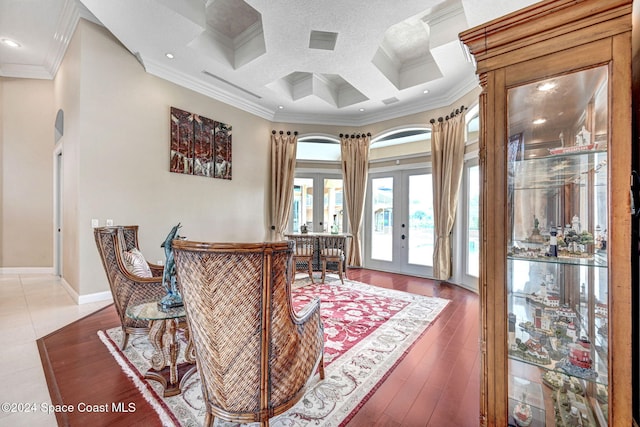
x=437, y=384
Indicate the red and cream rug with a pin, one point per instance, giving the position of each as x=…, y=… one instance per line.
x=368, y=330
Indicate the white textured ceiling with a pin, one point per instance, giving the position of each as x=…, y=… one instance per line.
x=343, y=62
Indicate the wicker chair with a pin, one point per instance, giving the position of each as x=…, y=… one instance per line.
x=127, y=289
x=332, y=249
x=254, y=354
x=303, y=252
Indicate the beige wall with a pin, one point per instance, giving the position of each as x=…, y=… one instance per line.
x=1, y=164
x=67, y=87
x=116, y=157
x=27, y=118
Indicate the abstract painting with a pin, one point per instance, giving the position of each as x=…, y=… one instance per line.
x=199, y=145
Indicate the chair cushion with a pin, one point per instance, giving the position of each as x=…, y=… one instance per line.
x=335, y=252
x=136, y=264
x=304, y=250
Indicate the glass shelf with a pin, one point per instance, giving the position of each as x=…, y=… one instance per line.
x=598, y=260
x=556, y=171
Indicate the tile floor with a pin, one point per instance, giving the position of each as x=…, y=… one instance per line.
x=31, y=306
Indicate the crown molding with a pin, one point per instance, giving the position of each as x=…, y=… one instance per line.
x=66, y=26
x=157, y=69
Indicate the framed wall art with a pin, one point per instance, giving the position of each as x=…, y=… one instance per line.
x=199, y=145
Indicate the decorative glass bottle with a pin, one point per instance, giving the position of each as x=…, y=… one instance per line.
x=334, y=226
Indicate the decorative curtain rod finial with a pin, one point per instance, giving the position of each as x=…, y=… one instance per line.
x=282, y=132
x=355, y=135
x=450, y=115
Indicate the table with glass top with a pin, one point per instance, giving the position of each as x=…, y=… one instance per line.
x=163, y=326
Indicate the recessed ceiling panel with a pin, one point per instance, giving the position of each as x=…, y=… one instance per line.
x=323, y=40
x=234, y=33
x=331, y=88
x=404, y=57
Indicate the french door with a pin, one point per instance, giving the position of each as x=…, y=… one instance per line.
x=399, y=228
x=317, y=202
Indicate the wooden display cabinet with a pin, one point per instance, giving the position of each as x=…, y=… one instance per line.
x=555, y=161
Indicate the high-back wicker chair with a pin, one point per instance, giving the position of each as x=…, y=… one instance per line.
x=303, y=252
x=254, y=354
x=127, y=288
x=332, y=249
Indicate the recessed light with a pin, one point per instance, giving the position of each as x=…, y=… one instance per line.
x=426, y=91
x=169, y=55
x=10, y=43
x=543, y=87
x=280, y=107
x=362, y=110
x=539, y=121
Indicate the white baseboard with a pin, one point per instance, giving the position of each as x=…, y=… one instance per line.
x=86, y=299
x=26, y=270
x=79, y=299
x=96, y=297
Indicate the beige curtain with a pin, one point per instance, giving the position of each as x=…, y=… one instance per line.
x=355, y=167
x=283, y=167
x=447, y=154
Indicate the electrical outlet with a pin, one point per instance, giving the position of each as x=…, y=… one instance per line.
x=109, y=223
x=95, y=223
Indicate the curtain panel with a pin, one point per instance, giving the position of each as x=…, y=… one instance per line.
x=447, y=154
x=283, y=167
x=355, y=168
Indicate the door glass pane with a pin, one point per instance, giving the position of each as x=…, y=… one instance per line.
x=382, y=218
x=302, y=203
x=421, y=229
x=473, y=221
x=333, y=204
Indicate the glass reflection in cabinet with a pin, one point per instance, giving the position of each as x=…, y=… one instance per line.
x=557, y=260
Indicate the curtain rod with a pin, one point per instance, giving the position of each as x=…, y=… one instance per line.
x=450, y=116
x=273, y=132
x=354, y=135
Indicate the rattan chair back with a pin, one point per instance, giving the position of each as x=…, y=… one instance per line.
x=127, y=289
x=254, y=353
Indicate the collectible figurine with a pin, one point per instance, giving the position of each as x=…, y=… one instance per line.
x=173, y=298
x=553, y=243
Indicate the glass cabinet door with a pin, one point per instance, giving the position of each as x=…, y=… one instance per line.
x=557, y=290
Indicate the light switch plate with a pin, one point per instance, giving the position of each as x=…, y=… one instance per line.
x=95, y=223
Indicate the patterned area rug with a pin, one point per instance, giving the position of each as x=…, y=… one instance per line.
x=368, y=330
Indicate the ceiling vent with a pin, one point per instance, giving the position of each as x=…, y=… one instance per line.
x=392, y=100
x=231, y=84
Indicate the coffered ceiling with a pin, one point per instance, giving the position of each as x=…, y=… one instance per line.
x=343, y=62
